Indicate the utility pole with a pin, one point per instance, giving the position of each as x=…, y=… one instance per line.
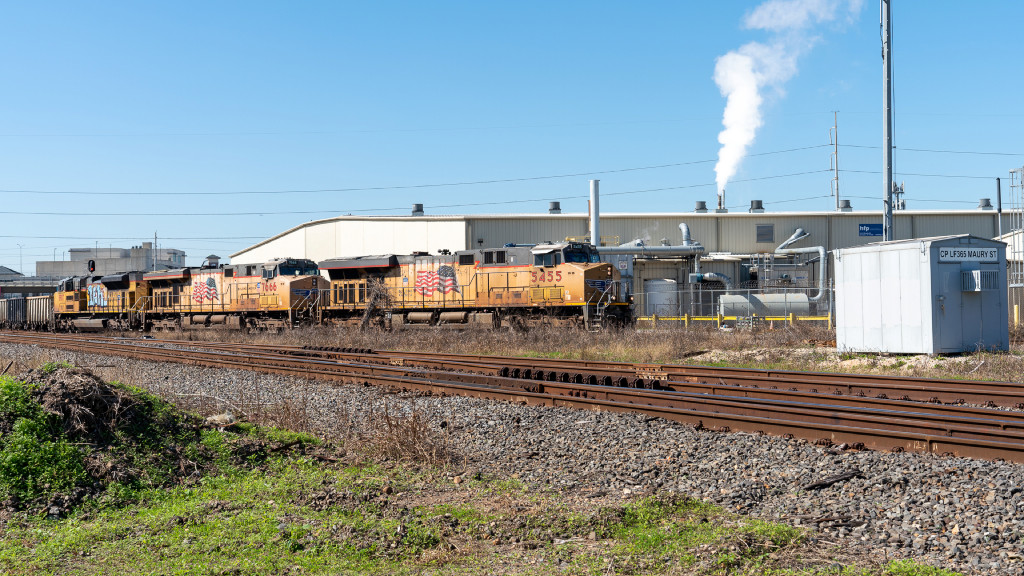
x=21, y=261
x=834, y=137
x=887, y=224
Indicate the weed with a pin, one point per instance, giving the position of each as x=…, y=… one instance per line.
x=51, y=367
x=911, y=568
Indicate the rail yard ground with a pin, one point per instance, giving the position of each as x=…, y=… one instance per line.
x=803, y=347
x=392, y=482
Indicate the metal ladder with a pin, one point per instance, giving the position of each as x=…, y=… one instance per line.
x=593, y=312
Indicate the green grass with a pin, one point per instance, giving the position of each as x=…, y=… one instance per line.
x=267, y=521
x=911, y=568
x=35, y=457
x=246, y=509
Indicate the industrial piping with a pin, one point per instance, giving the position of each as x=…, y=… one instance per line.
x=638, y=248
x=688, y=248
x=800, y=234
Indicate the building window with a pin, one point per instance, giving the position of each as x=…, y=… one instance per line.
x=766, y=233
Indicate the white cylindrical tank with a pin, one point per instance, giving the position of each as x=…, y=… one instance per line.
x=662, y=297
x=764, y=304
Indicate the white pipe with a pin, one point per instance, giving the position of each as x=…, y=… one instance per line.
x=721, y=278
x=687, y=241
x=642, y=250
x=822, y=264
x=798, y=235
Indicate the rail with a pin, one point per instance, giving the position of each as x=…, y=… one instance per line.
x=705, y=402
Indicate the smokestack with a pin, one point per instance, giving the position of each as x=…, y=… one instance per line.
x=417, y=209
x=554, y=208
x=595, y=214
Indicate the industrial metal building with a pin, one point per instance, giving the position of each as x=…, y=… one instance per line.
x=111, y=261
x=736, y=232
x=740, y=247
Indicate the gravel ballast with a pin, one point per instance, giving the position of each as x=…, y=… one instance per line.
x=955, y=513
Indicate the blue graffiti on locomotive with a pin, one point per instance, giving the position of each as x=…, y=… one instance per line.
x=97, y=297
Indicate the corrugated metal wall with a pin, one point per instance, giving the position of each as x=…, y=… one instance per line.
x=731, y=232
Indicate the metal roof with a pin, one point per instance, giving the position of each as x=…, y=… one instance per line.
x=609, y=215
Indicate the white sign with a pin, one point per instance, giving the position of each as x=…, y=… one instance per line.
x=968, y=254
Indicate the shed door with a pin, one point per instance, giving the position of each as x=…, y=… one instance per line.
x=971, y=320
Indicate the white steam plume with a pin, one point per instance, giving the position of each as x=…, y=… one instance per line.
x=742, y=74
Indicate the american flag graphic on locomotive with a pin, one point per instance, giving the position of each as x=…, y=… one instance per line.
x=202, y=291
x=442, y=280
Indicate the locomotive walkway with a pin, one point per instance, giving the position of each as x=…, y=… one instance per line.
x=860, y=411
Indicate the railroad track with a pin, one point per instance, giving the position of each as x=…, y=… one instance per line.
x=857, y=410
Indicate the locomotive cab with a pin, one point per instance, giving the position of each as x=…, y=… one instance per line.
x=289, y=267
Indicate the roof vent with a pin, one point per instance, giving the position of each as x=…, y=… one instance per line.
x=985, y=204
x=845, y=206
x=554, y=208
x=702, y=207
x=417, y=209
x=756, y=206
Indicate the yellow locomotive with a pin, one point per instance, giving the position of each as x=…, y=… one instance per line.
x=277, y=294
x=557, y=283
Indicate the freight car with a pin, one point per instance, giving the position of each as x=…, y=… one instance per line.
x=270, y=296
x=514, y=286
x=32, y=313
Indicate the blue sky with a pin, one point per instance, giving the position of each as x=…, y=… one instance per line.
x=175, y=113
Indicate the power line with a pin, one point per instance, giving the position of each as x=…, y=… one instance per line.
x=403, y=187
x=922, y=200
x=335, y=211
x=919, y=174
x=935, y=150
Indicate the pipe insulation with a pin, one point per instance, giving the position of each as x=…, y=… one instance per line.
x=799, y=234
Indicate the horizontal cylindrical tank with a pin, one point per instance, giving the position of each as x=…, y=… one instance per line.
x=764, y=304
x=419, y=317
x=662, y=297
x=90, y=324
x=453, y=317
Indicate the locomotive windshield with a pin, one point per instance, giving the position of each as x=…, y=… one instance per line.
x=581, y=255
x=297, y=268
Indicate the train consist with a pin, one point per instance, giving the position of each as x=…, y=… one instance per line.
x=515, y=286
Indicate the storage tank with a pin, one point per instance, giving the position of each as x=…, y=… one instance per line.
x=765, y=304
x=662, y=297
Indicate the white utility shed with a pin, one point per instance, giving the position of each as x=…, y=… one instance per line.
x=939, y=295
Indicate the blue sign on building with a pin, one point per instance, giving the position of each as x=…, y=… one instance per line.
x=870, y=229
